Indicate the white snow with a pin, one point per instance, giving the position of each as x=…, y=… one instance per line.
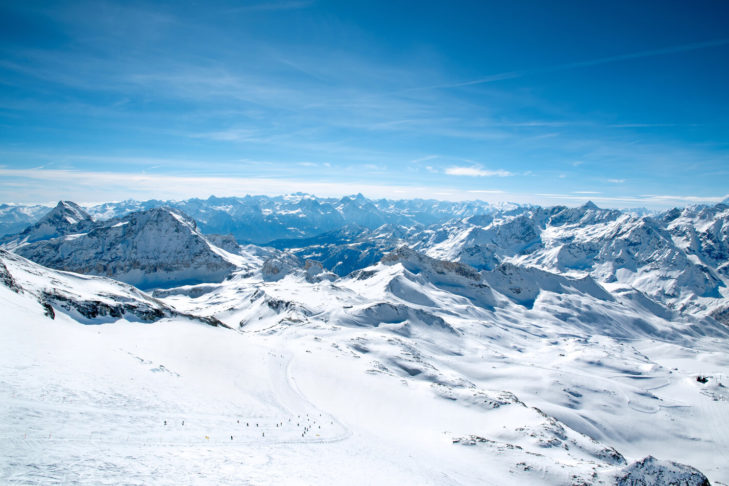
x=554, y=364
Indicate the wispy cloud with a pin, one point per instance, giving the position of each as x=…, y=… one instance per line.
x=205, y=94
x=652, y=125
x=688, y=199
x=43, y=186
x=423, y=159
x=232, y=135
x=477, y=172
x=273, y=6
x=587, y=63
x=647, y=200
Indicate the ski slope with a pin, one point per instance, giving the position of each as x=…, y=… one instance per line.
x=329, y=405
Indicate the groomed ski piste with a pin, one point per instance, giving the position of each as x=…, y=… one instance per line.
x=386, y=377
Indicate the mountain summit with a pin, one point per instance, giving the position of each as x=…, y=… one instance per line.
x=154, y=248
x=66, y=218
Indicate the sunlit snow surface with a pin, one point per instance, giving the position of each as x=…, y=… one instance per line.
x=387, y=377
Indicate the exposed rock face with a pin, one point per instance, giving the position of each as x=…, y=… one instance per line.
x=90, y=300
x=281, y=264
x=523, y=284
x=702, y=231
x=94, y=309
x=670, y=258
x=315, y=272
x=278, y=266
x=417, y=263
x=7, y=279
x=226, y=242
x=653, y=472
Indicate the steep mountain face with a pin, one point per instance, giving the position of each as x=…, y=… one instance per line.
x=66, y=218
x=155, y=248
x=523, y=284
x=611, y=246
x=701, y=231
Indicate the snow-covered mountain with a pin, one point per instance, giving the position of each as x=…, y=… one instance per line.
x=65, y=218
x=702, y=231
x=87, y=299
x=154, y=248
x=260, y=219
x=518, y=346
x=615, y=248
x=677, y=259
x=532, y=369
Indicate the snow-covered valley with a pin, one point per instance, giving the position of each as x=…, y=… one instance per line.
x=508, y=346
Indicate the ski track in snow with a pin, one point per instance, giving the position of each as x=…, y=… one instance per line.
x=74, y=450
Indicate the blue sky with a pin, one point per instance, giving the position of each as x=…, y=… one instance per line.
x=624, y=103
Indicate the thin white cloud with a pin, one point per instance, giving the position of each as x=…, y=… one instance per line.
x=647, y=200
x=424, y=159
x=272, y=6
x=45, y=185
x=690, y=199
x=477, y=172
x=586, y=192
x=591, y=62
x=653, y=125
x=375, y=167
x=84, y=186
x=616, y=181
x=231, y=135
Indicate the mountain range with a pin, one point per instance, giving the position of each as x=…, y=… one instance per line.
x=559, y=345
